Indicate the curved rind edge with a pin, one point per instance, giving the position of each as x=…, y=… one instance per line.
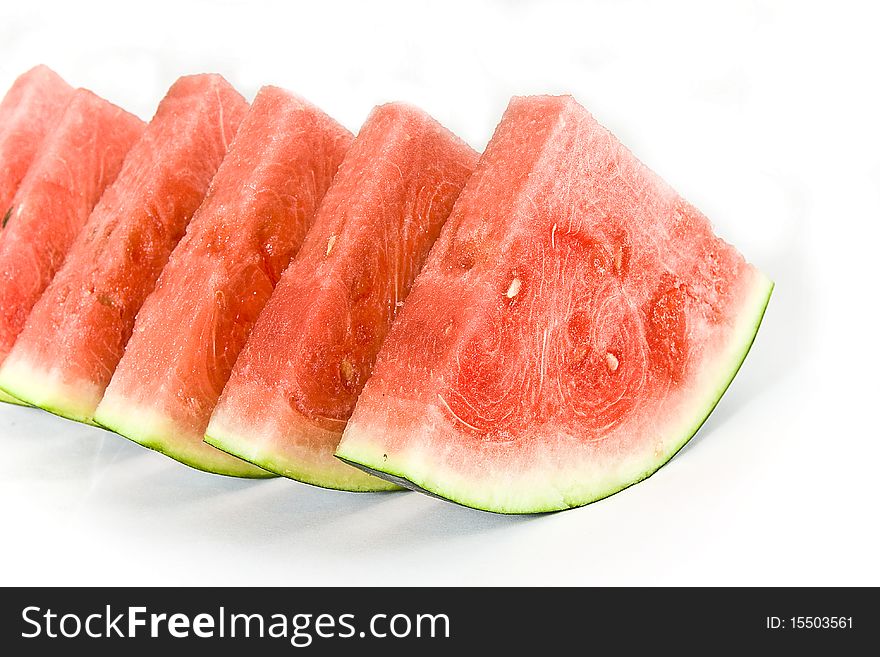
x=162, y=447
x=401, y=479
x=6, y=398
x=328, y=482
x=17, y=378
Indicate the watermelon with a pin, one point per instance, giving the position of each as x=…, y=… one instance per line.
x=574, y=326
x=75, y=335
x=254, y=218
x=79, y=157
x=297, y=379
x=29, y=110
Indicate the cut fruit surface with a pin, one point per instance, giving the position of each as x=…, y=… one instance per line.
x=191, y=329
x=299, y=375
x=74, y=337
x=575, y=324
x=28, y=112
x=79, y=157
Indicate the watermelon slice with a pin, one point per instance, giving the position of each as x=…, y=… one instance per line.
x=296, y=382
x=29, y=110
x=75, y=335
x=254, y=218
x=574, y=326
x=79, y=157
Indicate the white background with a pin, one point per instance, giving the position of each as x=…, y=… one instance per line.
x=765, y=115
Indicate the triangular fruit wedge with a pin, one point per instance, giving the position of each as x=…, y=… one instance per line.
x=29, y=110
x=191, y=328
x=297, y=379
x=75, y=335
x=574, y=326
x=79, y=157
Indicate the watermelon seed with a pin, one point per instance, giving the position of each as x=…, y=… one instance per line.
x=611, y=361
x=348, y=371
x=330, y=243
x=6, y=217
x=513, y=290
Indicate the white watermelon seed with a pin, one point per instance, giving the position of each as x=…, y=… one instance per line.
x=513, y=290
x=611, y=361
x=347, y=369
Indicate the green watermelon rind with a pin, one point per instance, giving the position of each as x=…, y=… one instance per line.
x=43, y=389
x=152, y=431
x=366, y=460
x=226, y=441
x=6, y=398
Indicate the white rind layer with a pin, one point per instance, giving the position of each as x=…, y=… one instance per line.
x=311, y=465
x=553, y=474
x=47, y=389
x=158, y=432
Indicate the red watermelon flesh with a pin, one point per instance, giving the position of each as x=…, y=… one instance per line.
x=29, y=110
x=70, y=345
x=79, y=157
x=192, y=327
x=296, y=382
x=574, y=326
